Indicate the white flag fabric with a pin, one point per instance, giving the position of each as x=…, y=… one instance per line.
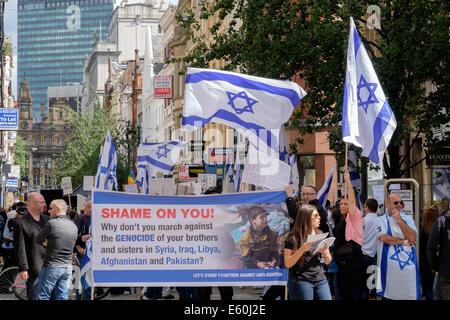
x=154, y=157
x=367, y=119
x=295, y=178
x=255, y=106
x=322, y=195
x=106, y=177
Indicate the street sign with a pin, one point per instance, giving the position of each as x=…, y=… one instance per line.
x=9, y=119
x=407, y=198
x=12, y=182
x=163, y=87
x=184, y=174
x=220, y=156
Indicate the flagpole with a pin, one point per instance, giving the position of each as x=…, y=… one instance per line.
x=346, y=168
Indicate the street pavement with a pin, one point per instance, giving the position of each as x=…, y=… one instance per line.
x=240, y=293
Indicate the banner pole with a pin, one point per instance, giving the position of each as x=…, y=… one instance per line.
x=346, y=168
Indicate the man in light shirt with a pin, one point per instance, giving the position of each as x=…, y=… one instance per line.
x=398, y=274
x=369, y=247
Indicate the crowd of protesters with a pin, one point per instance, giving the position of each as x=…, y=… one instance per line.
x=41, y=241
x=373, y=255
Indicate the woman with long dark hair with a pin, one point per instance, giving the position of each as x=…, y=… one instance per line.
x=307, y=280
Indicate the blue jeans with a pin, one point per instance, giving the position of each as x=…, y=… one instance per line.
x=304, y=290
x=54, y=278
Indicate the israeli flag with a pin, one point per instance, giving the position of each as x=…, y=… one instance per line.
x=397, y=277
x=86, y=267
x=322, y=195
x=144, y=174
x=155, y=157
x=106, y=177
x=295, y=178
x=228, y=180
x=237, y=172
x=355, y=180
x=255, y=106
x=367, y=119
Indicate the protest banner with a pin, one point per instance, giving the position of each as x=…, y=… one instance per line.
x=150, y=240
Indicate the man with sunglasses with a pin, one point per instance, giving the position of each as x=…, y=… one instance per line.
x=397, y=276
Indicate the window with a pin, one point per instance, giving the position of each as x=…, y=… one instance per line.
x=36, y=142
x=47, y=163
x=36, y=179
x=307, y=171
x=48, y=180
x=36, y=163
x=60, y=142
x=48, y=142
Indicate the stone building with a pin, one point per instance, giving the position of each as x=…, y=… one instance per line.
x=44, y=140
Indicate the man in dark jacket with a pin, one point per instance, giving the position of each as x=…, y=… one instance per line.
x=438, y=254
x=29, y=254
x=309, y=196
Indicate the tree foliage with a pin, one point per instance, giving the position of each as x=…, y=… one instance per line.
x=81, y=152
x=20, y=154
x=282, y=39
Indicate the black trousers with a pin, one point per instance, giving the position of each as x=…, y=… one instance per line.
x=348, y=278
x=204, y=293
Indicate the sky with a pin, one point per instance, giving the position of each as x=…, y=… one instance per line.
x=10, y=23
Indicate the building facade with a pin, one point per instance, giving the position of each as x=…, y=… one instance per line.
x=44, y=140
x=53, y=38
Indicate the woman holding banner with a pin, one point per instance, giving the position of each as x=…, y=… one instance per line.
x=307, y=280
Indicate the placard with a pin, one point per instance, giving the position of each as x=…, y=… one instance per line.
x=148, y=240
x=255, y=174
x=131, y=188
x=66, y=185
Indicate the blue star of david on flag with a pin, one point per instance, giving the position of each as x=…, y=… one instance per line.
x=242, y=95
x=396, y=256
x=162, y=151
x=371, y=98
